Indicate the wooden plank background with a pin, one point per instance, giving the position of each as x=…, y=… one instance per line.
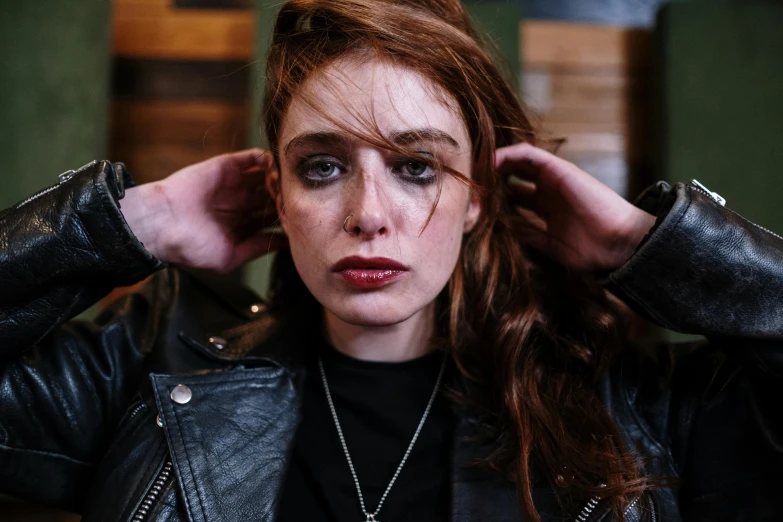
x=181, y=91
x=591, y=85
x=181, y=84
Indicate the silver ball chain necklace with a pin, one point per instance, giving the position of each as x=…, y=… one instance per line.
x=370, y=517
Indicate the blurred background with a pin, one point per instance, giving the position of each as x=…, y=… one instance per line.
x=641, y=89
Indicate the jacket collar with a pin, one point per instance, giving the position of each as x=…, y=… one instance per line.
x=230, y=443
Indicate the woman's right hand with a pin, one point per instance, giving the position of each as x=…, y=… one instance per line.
x=210, y=215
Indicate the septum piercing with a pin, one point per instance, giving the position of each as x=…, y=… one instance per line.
x=346, y=223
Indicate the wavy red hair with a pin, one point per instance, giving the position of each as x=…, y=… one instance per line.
x=535, y=336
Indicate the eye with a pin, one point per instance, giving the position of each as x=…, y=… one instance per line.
x=319, y=170
x=415, y=168
x=324, y=169
x=415, y=171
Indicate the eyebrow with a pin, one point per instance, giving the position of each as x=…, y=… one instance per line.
x=406, y=137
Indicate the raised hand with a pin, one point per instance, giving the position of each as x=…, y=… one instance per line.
x=568, y=214
x=209, y=215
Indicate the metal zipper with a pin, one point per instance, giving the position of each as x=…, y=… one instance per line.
x=588, y=509
x=61, y=179
x=717, y=198
x=653, y=514
x=631, y=505
x=757, y=226
x=721, y=201
x=136, y=410
x=145, y=508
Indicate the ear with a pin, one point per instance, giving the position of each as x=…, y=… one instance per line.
x=274, y=188
x=474, y=211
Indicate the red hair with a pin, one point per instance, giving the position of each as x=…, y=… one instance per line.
x=537, y=337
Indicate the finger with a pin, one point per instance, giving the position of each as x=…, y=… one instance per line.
x=255, y=157
x=524, y=160
x=530, y=221
x=522, y=153
x=255, y=169
x=532, y=230
x=526, y=170
x=523, y=193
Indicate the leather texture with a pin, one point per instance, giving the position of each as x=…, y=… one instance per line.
x=87, y=421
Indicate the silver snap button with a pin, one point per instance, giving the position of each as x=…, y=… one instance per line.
x=256, y=308
x=181, y=394
x=158, y=421
x=218, y=342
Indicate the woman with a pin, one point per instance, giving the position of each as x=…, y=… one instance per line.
x=436, y=347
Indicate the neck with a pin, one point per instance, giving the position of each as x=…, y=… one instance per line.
x=398, y=342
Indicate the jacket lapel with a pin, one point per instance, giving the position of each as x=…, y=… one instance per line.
x=234, y=420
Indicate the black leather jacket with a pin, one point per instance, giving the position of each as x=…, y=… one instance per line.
x=88, y=422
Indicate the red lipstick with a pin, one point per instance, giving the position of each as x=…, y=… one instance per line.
x=369, y=272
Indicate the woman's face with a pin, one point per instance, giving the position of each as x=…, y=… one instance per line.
x=388, y=266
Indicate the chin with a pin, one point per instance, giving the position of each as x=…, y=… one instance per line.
x=384, y=313
x=365, y=318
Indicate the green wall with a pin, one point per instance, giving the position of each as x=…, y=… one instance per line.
x=54, y=88
x=721, y=94
x=719, y=84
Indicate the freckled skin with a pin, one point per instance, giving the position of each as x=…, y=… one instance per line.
x=389, y=211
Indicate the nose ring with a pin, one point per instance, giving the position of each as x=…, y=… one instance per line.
x=345, y=223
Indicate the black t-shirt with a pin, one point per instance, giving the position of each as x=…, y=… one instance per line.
x=379, y=406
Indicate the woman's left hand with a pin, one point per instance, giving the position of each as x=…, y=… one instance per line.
x=568, y=214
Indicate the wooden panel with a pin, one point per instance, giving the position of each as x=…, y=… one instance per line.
x=181, y=79
x=215, y=4
x=567, y=45
x=139, y=6
x=156, y=138
x=155, y=29
x=181, y=84
x=590, y=85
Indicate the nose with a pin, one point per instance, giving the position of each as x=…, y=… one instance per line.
x=369, y=204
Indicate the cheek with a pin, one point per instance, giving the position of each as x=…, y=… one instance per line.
x=307, y=221
x=440, y=242
x=306, y=214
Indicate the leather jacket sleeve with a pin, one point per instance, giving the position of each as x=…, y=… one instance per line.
x=64, y=385
x=704, y=269
x=711, y=408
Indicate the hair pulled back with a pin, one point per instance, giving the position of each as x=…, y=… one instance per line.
x=536, y=337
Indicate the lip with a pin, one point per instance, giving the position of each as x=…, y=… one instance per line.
x=369, y=272
x=372, y=263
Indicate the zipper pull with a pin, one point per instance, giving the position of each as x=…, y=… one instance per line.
x=65, y=176
x=68, y=174
x=717, y=198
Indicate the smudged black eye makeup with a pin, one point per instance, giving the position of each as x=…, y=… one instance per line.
x=320, y=170
x=415, y=170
